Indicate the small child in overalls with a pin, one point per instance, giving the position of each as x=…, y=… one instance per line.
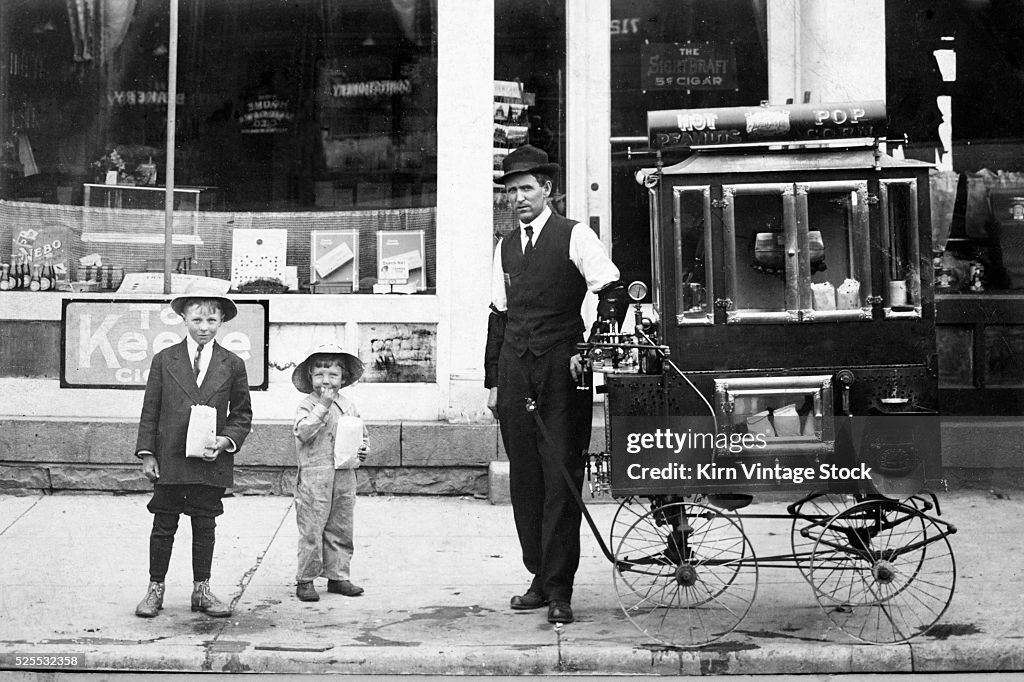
x=325, y=489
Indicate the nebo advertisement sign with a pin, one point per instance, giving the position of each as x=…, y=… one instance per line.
x=110, y=344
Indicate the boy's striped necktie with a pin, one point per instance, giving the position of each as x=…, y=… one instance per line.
x=195, y=363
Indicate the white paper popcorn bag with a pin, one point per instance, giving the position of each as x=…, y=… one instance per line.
x=347, y=440
x=202, y=430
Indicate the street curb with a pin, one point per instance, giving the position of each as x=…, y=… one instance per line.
x=722, y=658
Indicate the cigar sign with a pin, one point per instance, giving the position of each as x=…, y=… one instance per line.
x=111, y=343
x=687, y=66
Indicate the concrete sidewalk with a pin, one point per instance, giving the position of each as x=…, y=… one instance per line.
x=438, y=573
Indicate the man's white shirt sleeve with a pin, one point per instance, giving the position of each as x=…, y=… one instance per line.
x=498, y=281
x=588, y=254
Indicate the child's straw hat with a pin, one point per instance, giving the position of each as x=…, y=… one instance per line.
x=352, y=365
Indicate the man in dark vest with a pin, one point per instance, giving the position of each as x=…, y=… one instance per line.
x=541, y=274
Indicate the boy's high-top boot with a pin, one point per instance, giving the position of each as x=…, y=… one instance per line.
x=205, y=601
x=306, y=592
x=152, y=602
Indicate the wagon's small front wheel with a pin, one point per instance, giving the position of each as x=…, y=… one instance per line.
x=685, y=574
x=883, y=571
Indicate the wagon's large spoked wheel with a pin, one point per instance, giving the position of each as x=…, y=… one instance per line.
x=632, y=508
x=810, y=518
x=890, y=577
x=685, y=574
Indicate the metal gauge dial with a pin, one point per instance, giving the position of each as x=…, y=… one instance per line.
x=637, y=291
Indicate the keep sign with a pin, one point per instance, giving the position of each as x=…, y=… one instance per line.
x=110, y=344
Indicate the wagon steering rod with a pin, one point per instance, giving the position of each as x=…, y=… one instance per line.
x=531, y=407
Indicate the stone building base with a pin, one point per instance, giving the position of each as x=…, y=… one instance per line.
x=406, y=458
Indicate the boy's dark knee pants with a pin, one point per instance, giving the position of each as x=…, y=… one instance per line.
x=161, y=542
x=203, y=504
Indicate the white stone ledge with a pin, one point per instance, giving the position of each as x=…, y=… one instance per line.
x=284, y=308
x=44, y=398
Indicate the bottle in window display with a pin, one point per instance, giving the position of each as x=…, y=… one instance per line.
x=5, y=277
x=34, y=282
x=19, y=274
x=47, y=277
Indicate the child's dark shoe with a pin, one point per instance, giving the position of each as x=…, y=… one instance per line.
x=152, y=602
x=205, y=601
x=344, y=587
x=306, y=592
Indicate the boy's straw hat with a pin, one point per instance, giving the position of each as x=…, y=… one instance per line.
x=352, y=365
x=200, y=290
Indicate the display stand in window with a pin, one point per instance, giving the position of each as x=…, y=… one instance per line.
x=401, y=260
x=334, y=262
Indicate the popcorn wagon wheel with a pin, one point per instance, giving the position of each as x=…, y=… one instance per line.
x=685, y=574
x=810, y=519
x=633, y=508
x=888, y=566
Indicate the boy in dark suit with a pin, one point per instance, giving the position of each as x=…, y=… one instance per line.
x=196, y=371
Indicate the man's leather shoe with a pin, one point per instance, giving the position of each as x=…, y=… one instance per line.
x=528, y=601
x=559, y=612
x=344, y=587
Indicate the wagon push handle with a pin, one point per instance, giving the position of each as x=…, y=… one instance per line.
x=531, y=407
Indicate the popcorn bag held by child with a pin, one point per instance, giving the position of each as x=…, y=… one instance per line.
x=202, y=430
x=347, y=441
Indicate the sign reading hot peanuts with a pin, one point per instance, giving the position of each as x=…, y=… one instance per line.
x=111, y=344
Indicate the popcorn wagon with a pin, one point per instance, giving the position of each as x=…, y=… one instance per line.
x=788, y=348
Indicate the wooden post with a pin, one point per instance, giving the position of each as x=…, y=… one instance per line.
x=172, y=96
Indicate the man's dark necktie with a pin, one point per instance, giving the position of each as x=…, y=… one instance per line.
x=195, y=363
x=529, y=241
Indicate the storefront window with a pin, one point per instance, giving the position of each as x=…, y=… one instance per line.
x=309, y=118
x=304, y=105
x=948, y=69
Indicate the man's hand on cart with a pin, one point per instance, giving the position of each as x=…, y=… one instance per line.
x=576, y=367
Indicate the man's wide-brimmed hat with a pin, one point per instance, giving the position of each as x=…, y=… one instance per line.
x=352, y=365
x=527, y=159
x=201, y=291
